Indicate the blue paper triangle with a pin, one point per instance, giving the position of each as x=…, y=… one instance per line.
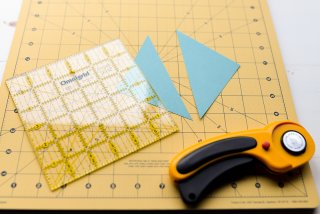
x=158, y=77
x=208, y=71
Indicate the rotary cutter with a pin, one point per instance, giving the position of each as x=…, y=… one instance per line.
x=281, y=146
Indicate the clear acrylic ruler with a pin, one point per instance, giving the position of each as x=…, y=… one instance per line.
x=258, y=94
x=86, y=111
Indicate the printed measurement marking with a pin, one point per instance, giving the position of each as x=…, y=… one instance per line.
x=82, y=113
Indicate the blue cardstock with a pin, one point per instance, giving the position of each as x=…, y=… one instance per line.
x=208, y=71
x=154, y=71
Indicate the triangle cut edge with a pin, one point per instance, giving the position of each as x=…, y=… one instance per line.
x=204, y=66
x=157, y=76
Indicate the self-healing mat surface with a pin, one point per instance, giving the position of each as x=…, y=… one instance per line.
x=81, y=113
x=256, y=95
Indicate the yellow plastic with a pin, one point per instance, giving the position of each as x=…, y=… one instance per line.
x=276, y=158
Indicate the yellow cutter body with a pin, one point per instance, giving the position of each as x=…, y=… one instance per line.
x=281, y=146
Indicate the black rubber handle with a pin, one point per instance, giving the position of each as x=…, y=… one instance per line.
x=194, y=188
x=214, y=150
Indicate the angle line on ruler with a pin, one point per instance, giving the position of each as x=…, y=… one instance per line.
x=100, y=69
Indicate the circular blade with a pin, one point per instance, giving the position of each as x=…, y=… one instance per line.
x=294, y=142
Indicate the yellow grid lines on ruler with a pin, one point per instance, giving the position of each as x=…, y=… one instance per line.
x=61, y=163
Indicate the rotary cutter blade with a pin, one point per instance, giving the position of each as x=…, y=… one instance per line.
x=280, y=146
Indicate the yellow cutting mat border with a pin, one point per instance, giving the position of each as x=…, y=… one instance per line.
x=172, y=203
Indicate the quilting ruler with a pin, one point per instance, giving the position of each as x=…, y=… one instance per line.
x=259, y=93
x=86, y=111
